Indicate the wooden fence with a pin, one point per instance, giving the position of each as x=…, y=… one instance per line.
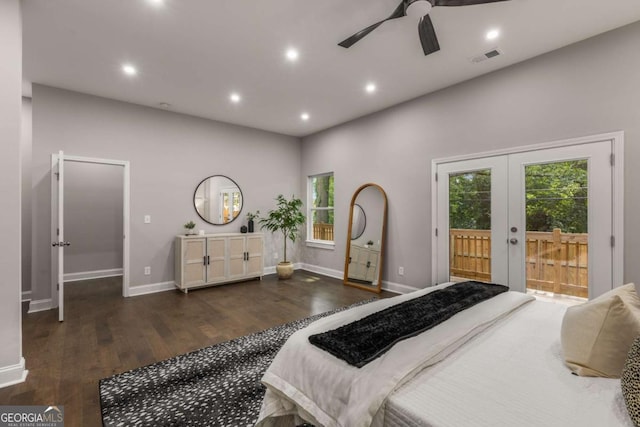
x=555, y=261
x=322, y=231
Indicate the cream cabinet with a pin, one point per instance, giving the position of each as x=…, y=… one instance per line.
x=215, y=259
x=363, y=264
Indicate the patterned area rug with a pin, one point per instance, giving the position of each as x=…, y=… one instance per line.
x=214, y=386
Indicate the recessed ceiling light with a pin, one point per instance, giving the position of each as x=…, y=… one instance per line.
x=304, y=116
x=292, y=54
x=129, y=70
x=235, y=97
x=370, y=87
x=156, y=2
x=492, y=34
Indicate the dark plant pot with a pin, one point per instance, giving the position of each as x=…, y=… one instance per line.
x=250, y=225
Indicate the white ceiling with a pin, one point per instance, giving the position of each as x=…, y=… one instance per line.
x=193, y=53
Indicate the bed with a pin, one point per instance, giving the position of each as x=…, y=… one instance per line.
x=497, y=363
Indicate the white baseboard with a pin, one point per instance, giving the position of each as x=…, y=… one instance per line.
x=397, y=287
x=151, y=288
x=96, y=274
x=272, y=269
x=26, y=296
x=336, y=274
x=13, y=374
x=40, y=305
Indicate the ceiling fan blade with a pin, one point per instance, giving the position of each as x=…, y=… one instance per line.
x=399, y=12
x=463, y=2
x=428, y=35
x=359, y=35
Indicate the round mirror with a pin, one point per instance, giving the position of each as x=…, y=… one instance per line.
x=218, y=200
x=358, y=222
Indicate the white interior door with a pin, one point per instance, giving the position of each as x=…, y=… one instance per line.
x=522, y=247
x=57, y=224
x=58, y=244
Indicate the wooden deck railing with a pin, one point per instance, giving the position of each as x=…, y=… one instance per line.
x=556, y=262
x=322, y=231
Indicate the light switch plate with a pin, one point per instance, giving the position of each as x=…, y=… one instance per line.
x=147, y=219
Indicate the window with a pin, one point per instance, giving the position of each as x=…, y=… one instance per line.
x=320, y=208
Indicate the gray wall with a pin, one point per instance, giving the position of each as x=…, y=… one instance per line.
x=588, y=88
x=169, y=155
x=10, y=223
x=93, y=221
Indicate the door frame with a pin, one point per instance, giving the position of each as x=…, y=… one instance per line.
x=617, y=180
x=126, y=211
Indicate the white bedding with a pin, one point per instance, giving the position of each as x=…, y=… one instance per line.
x=327, y=391
x=510, y=375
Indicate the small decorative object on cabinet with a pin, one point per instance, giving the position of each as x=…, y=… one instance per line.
x=215, y=259
x=250, y=220
x=189, y=227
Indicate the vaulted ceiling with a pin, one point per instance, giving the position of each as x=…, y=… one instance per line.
x=191, y=56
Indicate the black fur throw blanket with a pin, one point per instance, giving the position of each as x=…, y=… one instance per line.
x=360, y=342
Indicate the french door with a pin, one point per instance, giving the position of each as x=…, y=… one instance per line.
x=539, y=219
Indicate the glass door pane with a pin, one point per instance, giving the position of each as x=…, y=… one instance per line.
x=470, y=226
x=471, y=215
x=556, y=197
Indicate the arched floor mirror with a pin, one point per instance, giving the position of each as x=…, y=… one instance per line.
x=366, y=238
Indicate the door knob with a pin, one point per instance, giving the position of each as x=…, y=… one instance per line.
x=513, y=241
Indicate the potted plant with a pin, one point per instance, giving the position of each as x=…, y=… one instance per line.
x=250, y=218
x=190, y=226
x=287, y=218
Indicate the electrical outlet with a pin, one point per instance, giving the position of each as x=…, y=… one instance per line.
x=275, y=255
x=147, y=271
x=147, y=219
x=401, y=271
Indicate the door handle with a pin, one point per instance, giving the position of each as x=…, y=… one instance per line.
x=61, y=244
x=513, y=241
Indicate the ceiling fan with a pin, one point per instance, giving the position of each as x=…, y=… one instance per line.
x=421, y=8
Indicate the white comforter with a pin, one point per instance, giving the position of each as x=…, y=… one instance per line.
x=512, y=375
x=327, y=391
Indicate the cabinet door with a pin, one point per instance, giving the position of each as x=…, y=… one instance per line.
x=193, y=257
x=216, y=251
x=356, y=263
x=236, y=257
x=255, y=261
x=371, y=266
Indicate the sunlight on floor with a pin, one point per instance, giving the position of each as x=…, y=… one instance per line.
x=556, y=298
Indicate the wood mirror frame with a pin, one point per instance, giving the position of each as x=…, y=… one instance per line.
x=359, y=256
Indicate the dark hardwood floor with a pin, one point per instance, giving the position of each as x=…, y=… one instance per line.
x=104, y=334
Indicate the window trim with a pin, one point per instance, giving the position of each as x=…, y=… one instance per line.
x=310, y=241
